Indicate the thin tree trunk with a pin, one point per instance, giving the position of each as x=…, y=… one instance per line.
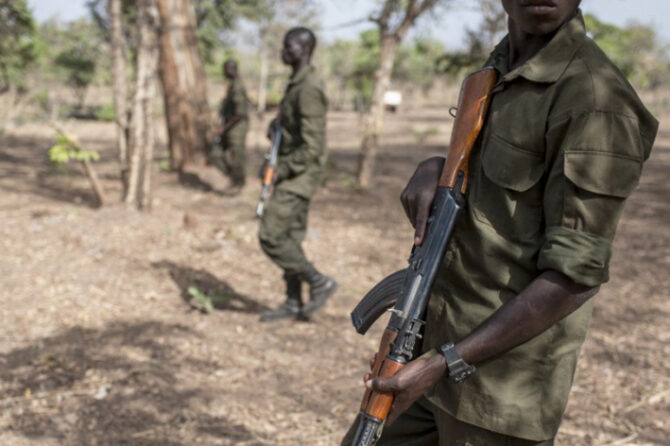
x=184, y=84
x=120, y=90
x=95, y=182
x=375, y=116
x=263, y=78
x=147, y=59
x=149, y=147
x=389, y=39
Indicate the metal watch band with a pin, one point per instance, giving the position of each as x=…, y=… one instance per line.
x=458, y=369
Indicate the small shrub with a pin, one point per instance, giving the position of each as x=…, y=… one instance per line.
x=106, y=113
x=65, y=150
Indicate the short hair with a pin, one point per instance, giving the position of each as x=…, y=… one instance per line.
x=231, y=61
x=304, y=35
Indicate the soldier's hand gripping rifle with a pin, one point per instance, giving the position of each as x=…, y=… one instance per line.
x=269, y=169
x=409, y=289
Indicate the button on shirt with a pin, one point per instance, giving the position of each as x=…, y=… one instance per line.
x=561, y=150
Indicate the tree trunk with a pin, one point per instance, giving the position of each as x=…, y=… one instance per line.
x=375, y=116
x=147, y=61
x=263, y=79
x=184, y=84
x=145, y=202
x=120, y=89
x=95, y=182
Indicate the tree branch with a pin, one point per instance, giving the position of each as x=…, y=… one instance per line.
x=413, y=11
x=385, y=15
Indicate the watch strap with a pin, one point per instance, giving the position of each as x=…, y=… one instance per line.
x=458, y=369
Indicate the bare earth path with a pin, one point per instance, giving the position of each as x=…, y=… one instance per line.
x=99, y=346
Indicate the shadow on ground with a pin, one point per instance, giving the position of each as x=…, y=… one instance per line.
x=122, y=384
x=209, y=284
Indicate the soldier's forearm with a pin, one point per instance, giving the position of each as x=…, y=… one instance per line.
x=548, y=299
x=230, y=123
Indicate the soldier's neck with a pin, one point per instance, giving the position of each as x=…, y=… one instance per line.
x=523, y=46
x=299, y=65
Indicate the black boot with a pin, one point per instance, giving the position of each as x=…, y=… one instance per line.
x=321, y=288
x=292, y=307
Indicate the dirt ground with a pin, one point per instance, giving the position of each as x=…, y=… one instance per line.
x=99, y=345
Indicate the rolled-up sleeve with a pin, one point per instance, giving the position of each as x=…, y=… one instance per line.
x=596, y=164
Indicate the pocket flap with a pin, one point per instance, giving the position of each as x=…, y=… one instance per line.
x=603, y=173
x=511, y=167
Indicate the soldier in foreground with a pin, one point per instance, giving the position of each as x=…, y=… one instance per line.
x=561, y=149
x=229, y=156
x=299, y=172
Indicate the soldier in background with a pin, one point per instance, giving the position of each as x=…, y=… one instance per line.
x=229, y=156
x=300, y=170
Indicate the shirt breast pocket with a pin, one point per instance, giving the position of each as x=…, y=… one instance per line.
x=508, y=191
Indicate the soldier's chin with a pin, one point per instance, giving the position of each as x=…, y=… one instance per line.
x=542, y=26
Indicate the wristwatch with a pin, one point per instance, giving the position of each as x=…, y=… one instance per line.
x=458, y=369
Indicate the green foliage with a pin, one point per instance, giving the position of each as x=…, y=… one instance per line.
x=106, y=113
x=635, y=49
x=164, y=165
x=416, y=64
x=216, y=18
x=204, y=302
x=354, y=64
x=41, y=98
x=77, y=57
x=479, y=42
x=66, y=150
x=17, y=41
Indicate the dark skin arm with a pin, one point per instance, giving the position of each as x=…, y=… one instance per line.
x=230, y=123
x=545, y=301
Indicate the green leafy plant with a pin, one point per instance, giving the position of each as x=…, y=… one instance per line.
x=66, y=150
x=203, y=302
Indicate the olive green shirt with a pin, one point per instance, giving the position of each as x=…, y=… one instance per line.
x=562, y=147
x=302, y=116
x=236, y=103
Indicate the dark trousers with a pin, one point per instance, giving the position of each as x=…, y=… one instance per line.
x=423, y=424
x=230, y=157
x=283, y=229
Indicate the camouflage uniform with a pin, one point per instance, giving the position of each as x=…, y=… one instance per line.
x=561, y=150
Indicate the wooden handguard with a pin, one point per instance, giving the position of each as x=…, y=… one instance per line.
x=268, y=175
x=473, y=101
x=379, y=404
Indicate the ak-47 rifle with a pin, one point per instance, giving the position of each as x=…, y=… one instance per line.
x=409, y=289
x=269, y=169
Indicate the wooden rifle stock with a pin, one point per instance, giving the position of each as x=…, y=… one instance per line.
x=473, y=103
x=398, y=341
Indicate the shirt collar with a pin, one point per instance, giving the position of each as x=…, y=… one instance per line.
x=550, y=62
x=300, y=75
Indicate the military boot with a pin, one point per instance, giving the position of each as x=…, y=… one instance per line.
x=292, y=306
x=321, y=288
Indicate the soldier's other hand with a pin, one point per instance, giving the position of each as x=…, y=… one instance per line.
x=409, y=383
x=417, y=197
